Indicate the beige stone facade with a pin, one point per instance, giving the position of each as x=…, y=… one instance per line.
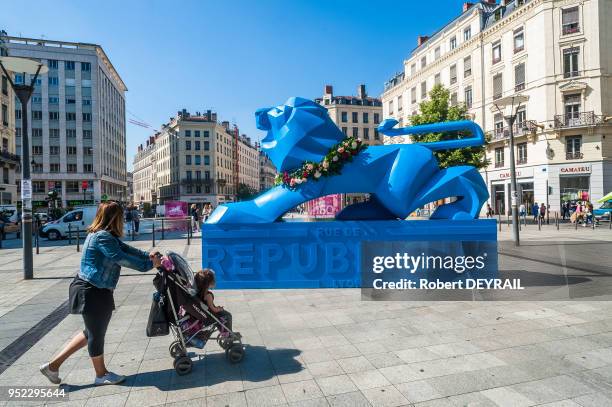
x=9, y=160
x=553, y=51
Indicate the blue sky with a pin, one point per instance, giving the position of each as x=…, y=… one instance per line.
x=235, y=56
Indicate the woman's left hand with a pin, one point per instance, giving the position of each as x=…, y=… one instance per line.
x=156, y=259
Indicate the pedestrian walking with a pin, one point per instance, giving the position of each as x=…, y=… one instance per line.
x=535, y=211
x=522, y=210
x=194, y=217
x=489, y=211
x=135, y=219
x=542, y=212
x=91, y=291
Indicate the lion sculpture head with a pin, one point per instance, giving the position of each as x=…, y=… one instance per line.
x=299, y=130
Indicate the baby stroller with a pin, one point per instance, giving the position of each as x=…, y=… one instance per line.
x=175, y=288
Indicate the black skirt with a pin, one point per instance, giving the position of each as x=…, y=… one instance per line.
x=84, y=297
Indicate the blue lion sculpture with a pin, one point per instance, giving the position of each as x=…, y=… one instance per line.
x=399, y=177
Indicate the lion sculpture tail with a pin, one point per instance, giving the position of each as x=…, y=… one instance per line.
x=477, y=137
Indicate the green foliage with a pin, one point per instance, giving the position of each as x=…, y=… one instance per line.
x=245, y=192
x=437, y=109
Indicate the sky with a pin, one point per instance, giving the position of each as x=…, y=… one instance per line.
x=236, y=56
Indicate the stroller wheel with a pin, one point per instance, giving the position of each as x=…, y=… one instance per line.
x=182, y=365
x=235, y=353
x=225, y=343
x=176, y=349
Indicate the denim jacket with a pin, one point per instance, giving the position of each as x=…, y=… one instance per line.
x=103, y=256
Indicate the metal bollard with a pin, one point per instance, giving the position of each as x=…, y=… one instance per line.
x=163, y=233
x=557, y=219
x=508, y=220
x=77, y=239
x=576, y=223
x=153, y=232
x=188, y=232
x=133, y=234
x=499, y=221
x=37, y=223
x=593, y=222
x=70, y=234
x=539, y=223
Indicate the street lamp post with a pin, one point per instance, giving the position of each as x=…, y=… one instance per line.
x=510, y=118
x=23, y=93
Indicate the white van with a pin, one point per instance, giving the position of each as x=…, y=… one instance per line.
x=77, y=219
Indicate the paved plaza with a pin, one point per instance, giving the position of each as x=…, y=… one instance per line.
x=327, y=347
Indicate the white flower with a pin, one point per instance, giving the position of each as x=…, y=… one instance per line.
x=335, y=158
x=309, y=167
x=326, y=164
x=317, y=174
x=354, y=144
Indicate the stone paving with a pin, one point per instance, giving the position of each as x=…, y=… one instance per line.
x=329, y=348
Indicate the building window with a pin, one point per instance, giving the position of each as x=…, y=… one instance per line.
x=437, y=79
x=37, y=150
x=437, y=53
x=519, y=40
x=87, y=167
x=366, y=133
x=188, y=160
x=54, y=100
x=4, y=85
x=38, y=187
x=453, y=43
x=187, y=133
x=467, y=67
x=52, y=63
x=497, y=86
x=72, y=168
x=519, y=77
x=356, y=132
x=569, y=18
x=86, y=134
x=399, y=103
x=197, y=145
x=188, y=145
x=86, y=102
x=496, y=52
x=87, y=151
x=423, y=90
x=467, y=94
x=344, y=130
x=570, y=62
x=37, y=167
x=85, y=67
x=572, y=105
x=188, y=174
x=53, y=81
x=196, y=133
x=70, y=116
x=36, y=115
x=573, y=147
x=69, y=65
x=343, y=117
x=54, y=167
x=198, y=160
x=5, y=115
x=453, y=99
x=376, y=135
x=499, y=157
x=413, y=97
x=521, y=149
x=423, y=61
x=366, y=118
x=376, y=118
x=498, y=125
x=354, y=117
x=390, y=107
x=71, y=150
x=521, y=118
x=206, y=160
x=86, y=117
x=206, y=146
x=453, y=74
x=37, y=132
x=413, y=69
x=467, y=33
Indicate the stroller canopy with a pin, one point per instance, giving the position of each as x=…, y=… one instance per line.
x=182, y=267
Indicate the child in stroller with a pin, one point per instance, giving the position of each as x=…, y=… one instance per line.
x=192, y=321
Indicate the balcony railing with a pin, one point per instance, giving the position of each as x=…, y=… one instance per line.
x=571, y=28
x=573, y=155
x=7, y=156
x=196, y=181
x=518, y=129
x=521, y=160
x=580, y=119
x=571, y=74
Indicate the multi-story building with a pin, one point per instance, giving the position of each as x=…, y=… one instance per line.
x=267, y=172
x=552, y=51
x=77, y=122
x=9, y=160
x=356, y=116
x=145, y=190
x=195, y=159
x=130, y=187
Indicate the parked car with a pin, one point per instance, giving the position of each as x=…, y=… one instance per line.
x=42, y=217
x=604, y=211
x=10, y=221
x=77, y=219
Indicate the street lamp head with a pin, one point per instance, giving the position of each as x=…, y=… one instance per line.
x=507, y=105
x=23, y=65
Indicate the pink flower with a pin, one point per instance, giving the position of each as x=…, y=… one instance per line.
x=341, y=150
x=292, y=182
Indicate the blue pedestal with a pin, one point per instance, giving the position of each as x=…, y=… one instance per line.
x=329, y=254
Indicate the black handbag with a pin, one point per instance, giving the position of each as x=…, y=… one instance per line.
x=157, y=325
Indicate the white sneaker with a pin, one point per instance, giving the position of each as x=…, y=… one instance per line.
x=109, y=378
x=50, y=374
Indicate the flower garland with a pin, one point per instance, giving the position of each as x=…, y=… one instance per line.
x=331, y=164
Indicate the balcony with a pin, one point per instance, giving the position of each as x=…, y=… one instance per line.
x=518, y=129
x=573, y=155
x=10, y=158
x=571, y=28
x=196, y=181
x=571, y=74
x=521, y=160
x=580, y=119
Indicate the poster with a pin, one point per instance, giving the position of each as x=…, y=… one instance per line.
x=324, y=207
x=175, y=209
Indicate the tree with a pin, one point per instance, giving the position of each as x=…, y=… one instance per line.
x=244, y=192
x=437, y=109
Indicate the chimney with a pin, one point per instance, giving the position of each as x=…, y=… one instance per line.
x=225, y=125
x=329, y=90
x=208, y=115
x=467, y=6
x=214, y=117
x=361, y=91
x=421, y=39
